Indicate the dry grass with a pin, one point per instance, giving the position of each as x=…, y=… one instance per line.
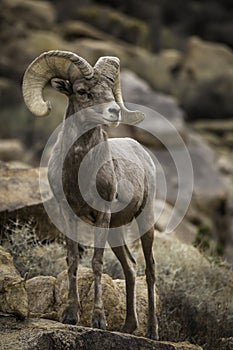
x=196, y=293
x=31, y=257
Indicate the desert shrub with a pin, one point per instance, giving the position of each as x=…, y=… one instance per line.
x=196, y=296
x=31, y=257
x=203, y=238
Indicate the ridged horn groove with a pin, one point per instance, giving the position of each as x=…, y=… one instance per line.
x=51, y=64
x=127, y=116
x=109, y=66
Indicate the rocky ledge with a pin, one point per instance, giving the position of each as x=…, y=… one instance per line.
x=41, y=334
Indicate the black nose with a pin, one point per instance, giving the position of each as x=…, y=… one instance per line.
x=114, y=111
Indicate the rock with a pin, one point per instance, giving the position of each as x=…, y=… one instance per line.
x=25, y=49
x=19, y=189
x=172, y=59
x=42, y=289
x=219, y=126
x=13, y=296
x=168, y=250
x=46, y=334
x=14, y=164
x=154, y=131
x=197, y=62
x=205, y=81
x=210, y=188
x=41, y=299
x=11, y=150
x=185, y=279
x=185, y=231
x=117, y=24
x=180, y=254
x=148, y=11
x=20, y=199
x=28, y=13
x=225, y=165
x=73, y=30
x=148, y=66
x=113, y=299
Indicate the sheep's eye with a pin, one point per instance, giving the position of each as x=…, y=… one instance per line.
x=81, y=92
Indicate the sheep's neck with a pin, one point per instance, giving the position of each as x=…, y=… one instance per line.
x=89, y=140
x=91, y=134
x=88, y=156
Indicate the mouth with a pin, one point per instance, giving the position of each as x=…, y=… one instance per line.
x=113, y=122
x=112, y=119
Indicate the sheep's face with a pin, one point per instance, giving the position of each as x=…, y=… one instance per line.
x=93, y=98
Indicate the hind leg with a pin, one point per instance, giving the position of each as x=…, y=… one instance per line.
x=129, y=267
x=147, y=246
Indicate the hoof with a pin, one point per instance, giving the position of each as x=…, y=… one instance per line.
x=152, y=334
x=99, y=320
x=69, y=316
x=66, y=319
x=130, y=326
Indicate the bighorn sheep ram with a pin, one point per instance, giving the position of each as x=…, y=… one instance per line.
x=95, y=99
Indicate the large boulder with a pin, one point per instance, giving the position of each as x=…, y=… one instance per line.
x=155, y=130
x=116, y=23
x=146, y=11
x=73, y=30
x=26, y=48
x=188, y=285
x=205, y=80
x=28, y=14
x=47, y=298
x=13, y=295
x=47, y=334
x=20, y=198
x=210, y=188
x=148, y=66
x=11, y=150
x=167, y=248
x=18, y=21
x=41, y=296
x=113, y=299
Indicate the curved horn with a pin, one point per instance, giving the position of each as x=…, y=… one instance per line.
x=51, y=64
x=110, y=67
x=127, y=116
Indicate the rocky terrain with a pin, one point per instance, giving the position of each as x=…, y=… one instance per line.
x=177, y=62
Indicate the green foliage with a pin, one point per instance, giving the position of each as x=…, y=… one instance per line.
x=203, y=238
x=204, y=242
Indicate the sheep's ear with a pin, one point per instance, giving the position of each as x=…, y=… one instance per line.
x=131, y=117
x=61, y=85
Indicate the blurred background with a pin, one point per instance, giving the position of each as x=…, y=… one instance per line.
x=176, y=58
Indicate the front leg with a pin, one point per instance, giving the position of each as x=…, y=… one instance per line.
x=71, y=313
x=101, y=234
